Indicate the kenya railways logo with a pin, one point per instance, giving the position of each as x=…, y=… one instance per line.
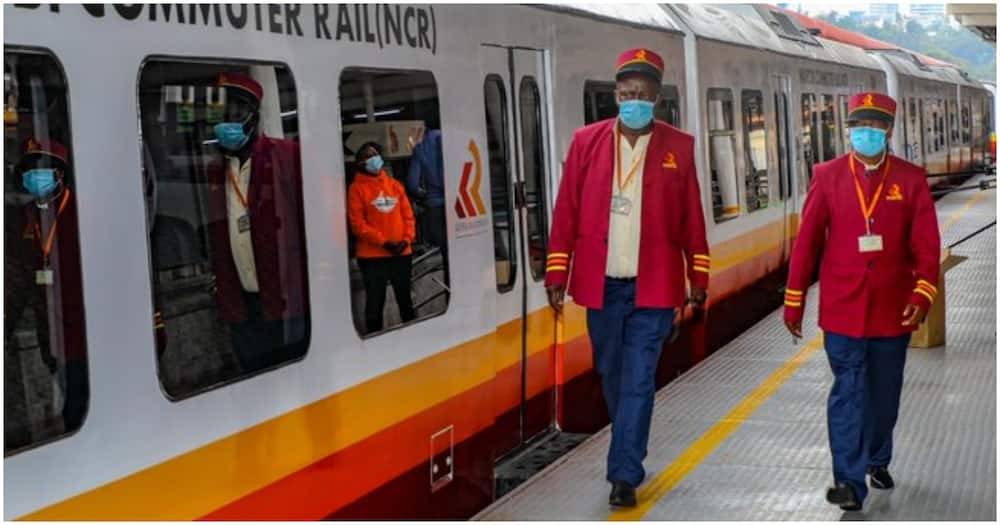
x=469, y=203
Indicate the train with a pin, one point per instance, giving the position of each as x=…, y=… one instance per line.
x=410, y=421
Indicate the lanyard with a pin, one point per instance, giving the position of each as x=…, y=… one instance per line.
x=236, y=187
x=46, y=246
x=868, y=209
x=618, y=167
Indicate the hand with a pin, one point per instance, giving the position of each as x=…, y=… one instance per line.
x=913, y=315
x=697, y=297
x=794, y=327
x=394, y=247
x=556, y=292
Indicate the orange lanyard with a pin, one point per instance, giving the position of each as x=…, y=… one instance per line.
x=868, y=209
x=236, y=187
x=618, y=166
x=47, y=245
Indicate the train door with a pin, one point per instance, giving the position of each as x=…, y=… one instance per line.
x=781, y=86
x=516, y=77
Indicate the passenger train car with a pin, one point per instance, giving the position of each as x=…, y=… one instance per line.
x=408, y=421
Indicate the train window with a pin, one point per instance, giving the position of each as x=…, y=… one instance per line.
x=829, y=129
x=810, y=139
x=396, y=202
x=722, y=155
x=845, y=133
x=226, y=236
x=755, y=150
x=781, y=125
x=534, y=175
x=953, y=121
x=46, y=387
x=599, y=103
x=966, y=123
x=497, y=133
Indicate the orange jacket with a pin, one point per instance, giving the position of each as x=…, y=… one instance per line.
x=379, y=211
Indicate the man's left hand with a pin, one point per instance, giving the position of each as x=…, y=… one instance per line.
x=697, y=297
x=913, y=315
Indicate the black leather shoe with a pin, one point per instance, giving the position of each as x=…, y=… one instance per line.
x=622, y=495
x=843, y=494
x=880, y=478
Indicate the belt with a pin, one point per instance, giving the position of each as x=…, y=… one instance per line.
x=620, y=279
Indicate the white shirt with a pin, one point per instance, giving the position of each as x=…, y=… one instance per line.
x=240, y=243
x=624, y=230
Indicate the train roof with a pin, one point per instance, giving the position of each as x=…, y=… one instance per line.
x=647, y=16
x=755, y=26
x=903, y=60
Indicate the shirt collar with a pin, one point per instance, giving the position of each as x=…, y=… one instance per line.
x=869, y=168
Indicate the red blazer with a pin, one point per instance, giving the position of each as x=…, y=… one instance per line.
x=275, y=196
x=23, y=257
x=864, y=294
x=673, y=223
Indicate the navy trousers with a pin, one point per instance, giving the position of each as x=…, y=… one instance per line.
x=627, y=342
x=863, y=404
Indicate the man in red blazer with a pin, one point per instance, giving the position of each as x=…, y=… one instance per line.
x=627, y=227
x=43, y=274
x=258, y=239
x=871, y=216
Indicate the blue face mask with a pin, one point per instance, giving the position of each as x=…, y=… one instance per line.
x=868, y=141
x=374, y=164
x=636, y=114
x=231, y=135
x=40, y=182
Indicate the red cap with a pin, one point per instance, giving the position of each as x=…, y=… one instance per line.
x=242, y=82
x=871, y=105
x=46, y=147
x=640, y=60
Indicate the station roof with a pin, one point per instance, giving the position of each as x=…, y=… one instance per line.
x=980, y=18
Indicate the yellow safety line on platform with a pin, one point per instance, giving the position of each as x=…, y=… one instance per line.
x=689, y=460
x=651, y=493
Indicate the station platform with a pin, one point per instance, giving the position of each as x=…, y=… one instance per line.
x=743, y=436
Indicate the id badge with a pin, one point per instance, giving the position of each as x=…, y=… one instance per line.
x=243, y=224
x=870, y=243
x=621, y=205
x=44, y=277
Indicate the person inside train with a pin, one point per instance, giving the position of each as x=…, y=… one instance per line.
x=869, y=222
x=425, y=180
x=380, y=216
x=631, y=295
x=43, y=279
x=258, y=242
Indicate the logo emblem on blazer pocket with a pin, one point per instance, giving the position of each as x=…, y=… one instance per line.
x=669, y=161
x=895, y=193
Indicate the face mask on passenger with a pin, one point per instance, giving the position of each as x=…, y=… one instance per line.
x=868, y=141
x=374, y=164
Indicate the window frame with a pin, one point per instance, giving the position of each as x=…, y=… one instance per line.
x=541, y=174
x=340, y=124
x=217, y=61
x=725, y=94
x=512, y=216
x=69, y=144
x=745, y=94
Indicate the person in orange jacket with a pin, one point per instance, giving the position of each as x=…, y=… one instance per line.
x=381, y=217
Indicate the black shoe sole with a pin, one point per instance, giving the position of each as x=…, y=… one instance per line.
x=622, y=504
x=845, y=502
